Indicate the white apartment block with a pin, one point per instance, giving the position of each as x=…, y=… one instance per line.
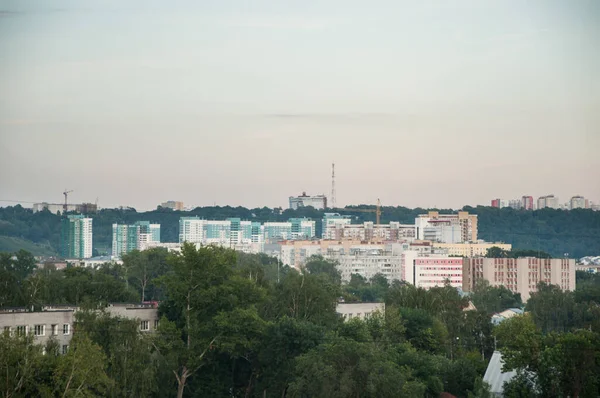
x=549, y=201
x=447, y=228
x=520, y=275
x=359, y=310
x=367, y=262
x=578, y=202
x=304, y=200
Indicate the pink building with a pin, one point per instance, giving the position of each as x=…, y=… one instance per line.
x=495, y=202
x=527, y=202
x=428, y=272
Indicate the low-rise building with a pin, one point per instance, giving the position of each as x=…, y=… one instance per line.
x=519, y=275
x=359, y=310
x=56, y=322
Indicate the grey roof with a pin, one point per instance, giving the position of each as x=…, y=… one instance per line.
x=494, y=375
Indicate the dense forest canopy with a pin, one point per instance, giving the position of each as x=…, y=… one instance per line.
x=556, y=232
x=242, y=325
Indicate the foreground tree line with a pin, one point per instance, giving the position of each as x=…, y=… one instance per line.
x=238, y=325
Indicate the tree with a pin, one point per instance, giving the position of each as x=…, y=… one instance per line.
x=346, y=368
x=145, y=266
x=493, y=299
x=207, y=304
x=316, y=265
x=82, y=371
x=551, y=308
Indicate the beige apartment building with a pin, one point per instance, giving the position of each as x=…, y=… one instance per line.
x=519, y=275
x=477, y=249
x=446, y=228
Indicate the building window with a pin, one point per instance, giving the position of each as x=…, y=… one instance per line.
x=144, y=325
x=156, y=324
x=39, y=330
x=65, y=349
x=54, y=329
x=66, y=329
x=7, y=330
x=21, y=330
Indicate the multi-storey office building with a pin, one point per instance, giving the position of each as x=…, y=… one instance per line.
x=76, y=237
x=520, y=275
x=447, y=228
x=137, y=236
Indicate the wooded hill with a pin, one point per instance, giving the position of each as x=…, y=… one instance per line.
x=557, y=232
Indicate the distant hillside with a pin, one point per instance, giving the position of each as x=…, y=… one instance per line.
x=576, y=232
x=12, y=244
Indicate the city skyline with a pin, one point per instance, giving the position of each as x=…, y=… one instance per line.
x=418, y=104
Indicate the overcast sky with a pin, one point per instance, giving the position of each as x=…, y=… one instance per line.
x=419, y=103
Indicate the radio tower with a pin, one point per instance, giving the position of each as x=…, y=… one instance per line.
x=332, y=185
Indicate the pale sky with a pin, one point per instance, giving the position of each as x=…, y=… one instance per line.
x=419, y=103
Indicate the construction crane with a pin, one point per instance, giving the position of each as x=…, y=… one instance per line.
x=66, y=193
x=377, y=210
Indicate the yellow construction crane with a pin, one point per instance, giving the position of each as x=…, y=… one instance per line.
x=377, y=210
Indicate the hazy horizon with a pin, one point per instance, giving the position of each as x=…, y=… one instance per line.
x=420, y=104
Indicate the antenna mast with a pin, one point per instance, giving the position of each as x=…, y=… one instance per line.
x=333, y=186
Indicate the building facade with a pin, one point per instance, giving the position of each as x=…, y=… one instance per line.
x=173, y=205
x=76, y=237
x=578, y=202
x=318, y=202
x=340, y=229
x=57, y=322
x=527, y=202
x=359, y=310
x=59, y=207
x=432, y=270
x=476, y=249
x=137, y=236
x=447, y=228
x=548, y=201
x=519, y=275
x=293, y=229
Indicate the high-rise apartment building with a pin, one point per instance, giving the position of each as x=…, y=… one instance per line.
x=293, y=229
x=577, y=202
x=172, y=204
x=76, y=237
x=138, y=236
x=527, y=202
x=548, y=201
x=304, y=200
x=369, y=231
x=333, y=225
x=520, y=275
x=447, y=228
